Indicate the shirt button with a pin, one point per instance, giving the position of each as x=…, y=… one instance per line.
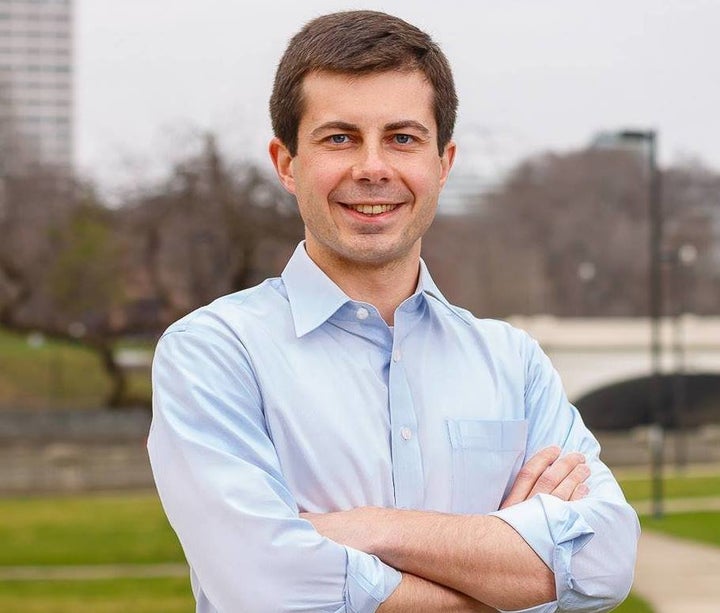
x=406, y=433
x=362, y=313
x=396, y=355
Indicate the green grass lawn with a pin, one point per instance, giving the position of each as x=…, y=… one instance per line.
x=57, y=374
x=633, y=604
x=123, y=529
x=701, y=526
x=86, y=530
x=691, y=486
x=99, y=596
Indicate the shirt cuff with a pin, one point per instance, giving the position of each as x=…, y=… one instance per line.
x=556, y=532
x=369, y=582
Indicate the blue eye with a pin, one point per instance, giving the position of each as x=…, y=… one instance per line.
x=339, y=139
x=403, y=139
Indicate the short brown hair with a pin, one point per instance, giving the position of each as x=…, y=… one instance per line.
x=358, y=43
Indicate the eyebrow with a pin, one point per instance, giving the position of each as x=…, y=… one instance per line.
x=344, y=126
x=407, y=123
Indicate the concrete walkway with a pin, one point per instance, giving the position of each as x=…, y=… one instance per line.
x=676, y=575
x=97, y=571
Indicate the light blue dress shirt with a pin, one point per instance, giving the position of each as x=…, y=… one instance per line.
x=291, y=397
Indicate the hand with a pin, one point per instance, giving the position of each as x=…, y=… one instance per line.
x=548, y=473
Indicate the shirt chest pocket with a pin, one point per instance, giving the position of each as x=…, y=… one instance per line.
x=485, y=456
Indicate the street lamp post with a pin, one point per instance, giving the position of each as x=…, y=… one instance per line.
x=649, y=138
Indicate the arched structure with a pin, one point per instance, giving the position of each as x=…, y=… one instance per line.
x=605, y=365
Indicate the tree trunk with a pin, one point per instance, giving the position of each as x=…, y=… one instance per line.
x=118, y=378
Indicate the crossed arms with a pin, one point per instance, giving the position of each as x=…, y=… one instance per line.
x=443, y=555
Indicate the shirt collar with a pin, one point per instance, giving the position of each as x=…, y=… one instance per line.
x=426, y=285
x=314, y=297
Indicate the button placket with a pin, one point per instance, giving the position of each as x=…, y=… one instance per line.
x=408, y=476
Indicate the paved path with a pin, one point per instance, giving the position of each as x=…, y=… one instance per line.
x=676, y=575
x=98, y=571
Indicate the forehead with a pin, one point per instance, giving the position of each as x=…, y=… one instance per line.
x=383, y=97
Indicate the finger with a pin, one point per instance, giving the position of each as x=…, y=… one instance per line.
x=580, y=492
x=555, y=474
x=569, y=484
x=530, y=473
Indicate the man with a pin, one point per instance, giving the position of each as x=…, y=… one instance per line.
x=343, y=439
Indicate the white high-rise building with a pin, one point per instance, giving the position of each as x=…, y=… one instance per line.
x=36, y=84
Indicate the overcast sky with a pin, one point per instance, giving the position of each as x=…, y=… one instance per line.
x=531, y=74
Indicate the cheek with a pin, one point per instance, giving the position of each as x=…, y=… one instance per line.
x=425, y=173
x=317, y=178
x=425, y=185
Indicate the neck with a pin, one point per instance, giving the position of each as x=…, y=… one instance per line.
x=384, y=289
x=385, y=286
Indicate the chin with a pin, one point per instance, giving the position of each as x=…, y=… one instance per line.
x=378, y=257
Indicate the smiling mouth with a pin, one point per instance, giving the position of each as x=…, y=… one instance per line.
x=371, y=209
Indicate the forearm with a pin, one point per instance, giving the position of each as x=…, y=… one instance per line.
x=418, y=595
x=477, y=555
x=481, y=556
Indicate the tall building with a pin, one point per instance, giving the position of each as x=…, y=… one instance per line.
x=36, y=84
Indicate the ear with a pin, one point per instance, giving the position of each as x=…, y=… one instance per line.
x=282, y=160
x=446, y=162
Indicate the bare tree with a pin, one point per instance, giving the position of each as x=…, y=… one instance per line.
x=568, y=235
x=211, y=229
x=58, y=264
x=691, y=201
x=76, y=269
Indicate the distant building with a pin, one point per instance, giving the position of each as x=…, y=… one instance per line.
x=616, y=141
x=36, y=84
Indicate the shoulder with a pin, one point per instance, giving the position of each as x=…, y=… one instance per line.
x=499, y=333
x=231, y=313
x=217, y=340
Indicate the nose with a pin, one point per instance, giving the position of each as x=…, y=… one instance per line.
x=372, y=165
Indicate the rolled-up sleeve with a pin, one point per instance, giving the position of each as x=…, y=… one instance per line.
x=589, y=544
x=222, y=488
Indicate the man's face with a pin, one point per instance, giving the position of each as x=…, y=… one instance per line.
x=367, y=173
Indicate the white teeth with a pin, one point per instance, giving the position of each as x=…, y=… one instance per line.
x=372, y=209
